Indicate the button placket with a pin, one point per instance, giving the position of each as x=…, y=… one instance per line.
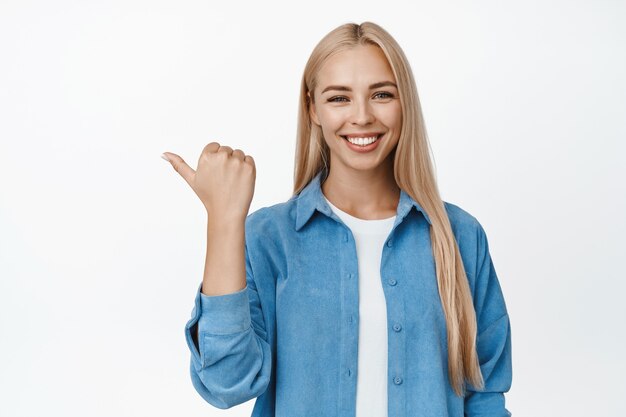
x=396, y=316
x=349, y=332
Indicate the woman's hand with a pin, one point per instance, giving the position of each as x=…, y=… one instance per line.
x=224, y=180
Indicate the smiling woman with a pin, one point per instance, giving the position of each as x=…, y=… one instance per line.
x=364, y=294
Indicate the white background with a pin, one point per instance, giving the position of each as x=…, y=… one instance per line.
x=102, y=244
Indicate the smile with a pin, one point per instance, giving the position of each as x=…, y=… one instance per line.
x=362, y=141
x=365, y=144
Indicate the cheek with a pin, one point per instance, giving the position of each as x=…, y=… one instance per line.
x=394, y=117
x=330, y=120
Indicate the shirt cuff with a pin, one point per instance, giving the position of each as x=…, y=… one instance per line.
x=224, y=314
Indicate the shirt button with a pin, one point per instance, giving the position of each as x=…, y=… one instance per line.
x=392, y=281
x=397, y=327
x=350, y=275
x=397, y=380
x=345, y=237
x=349, y=372
x=389, y=243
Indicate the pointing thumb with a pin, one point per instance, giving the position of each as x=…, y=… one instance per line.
x=180, y=166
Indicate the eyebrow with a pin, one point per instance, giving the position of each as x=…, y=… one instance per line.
x=373, y=86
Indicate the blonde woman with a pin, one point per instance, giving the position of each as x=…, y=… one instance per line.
x=364, y=294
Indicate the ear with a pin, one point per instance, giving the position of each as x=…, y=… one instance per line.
x=312, y=111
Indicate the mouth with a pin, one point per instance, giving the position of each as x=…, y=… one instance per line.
x=363, y=141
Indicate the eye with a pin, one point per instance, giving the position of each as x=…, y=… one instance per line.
x=336, y=98
x=385, y=94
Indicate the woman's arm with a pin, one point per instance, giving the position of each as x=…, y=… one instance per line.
x=231, y=358
x=224, y=266
x=493, y=339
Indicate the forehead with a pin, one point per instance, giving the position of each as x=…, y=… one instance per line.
x=359, y=66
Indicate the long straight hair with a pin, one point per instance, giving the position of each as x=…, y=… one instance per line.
x=413, y=172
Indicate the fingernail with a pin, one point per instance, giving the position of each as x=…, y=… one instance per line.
x=165, y=157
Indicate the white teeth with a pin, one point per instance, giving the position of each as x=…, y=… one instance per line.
x=362, y=141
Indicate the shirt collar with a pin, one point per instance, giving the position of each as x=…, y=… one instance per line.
x=311, y=198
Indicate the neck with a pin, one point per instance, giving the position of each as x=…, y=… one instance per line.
x=368, y=195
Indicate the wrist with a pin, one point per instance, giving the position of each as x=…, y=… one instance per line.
x=225, y=220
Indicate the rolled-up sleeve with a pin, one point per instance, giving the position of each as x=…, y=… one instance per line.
x=493, y=339
x=231, y=360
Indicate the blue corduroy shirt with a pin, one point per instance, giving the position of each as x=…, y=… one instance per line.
x=290, y=337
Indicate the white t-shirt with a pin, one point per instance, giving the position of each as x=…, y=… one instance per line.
x=370, y=235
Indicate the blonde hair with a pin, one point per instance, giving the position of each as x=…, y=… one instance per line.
x=413, y=172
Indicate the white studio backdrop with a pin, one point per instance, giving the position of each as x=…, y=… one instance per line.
x=102, y=244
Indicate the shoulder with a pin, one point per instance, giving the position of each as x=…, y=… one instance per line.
x=469, y=234
x=268, y=233
x=461, y=220
x=271, y=220
x=474, y=248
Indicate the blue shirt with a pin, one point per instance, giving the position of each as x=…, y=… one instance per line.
x=290, y=337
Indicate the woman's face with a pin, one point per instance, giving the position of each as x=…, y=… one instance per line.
x=356, y=96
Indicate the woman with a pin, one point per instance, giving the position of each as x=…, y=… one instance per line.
x=344, y=300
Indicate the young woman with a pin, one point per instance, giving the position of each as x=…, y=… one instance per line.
x=364, y=294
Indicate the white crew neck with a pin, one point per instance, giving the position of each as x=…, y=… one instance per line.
x=366, y=226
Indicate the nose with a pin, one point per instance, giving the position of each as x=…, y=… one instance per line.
x=362, y=113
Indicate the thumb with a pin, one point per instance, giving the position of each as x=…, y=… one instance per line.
x=180, y=166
